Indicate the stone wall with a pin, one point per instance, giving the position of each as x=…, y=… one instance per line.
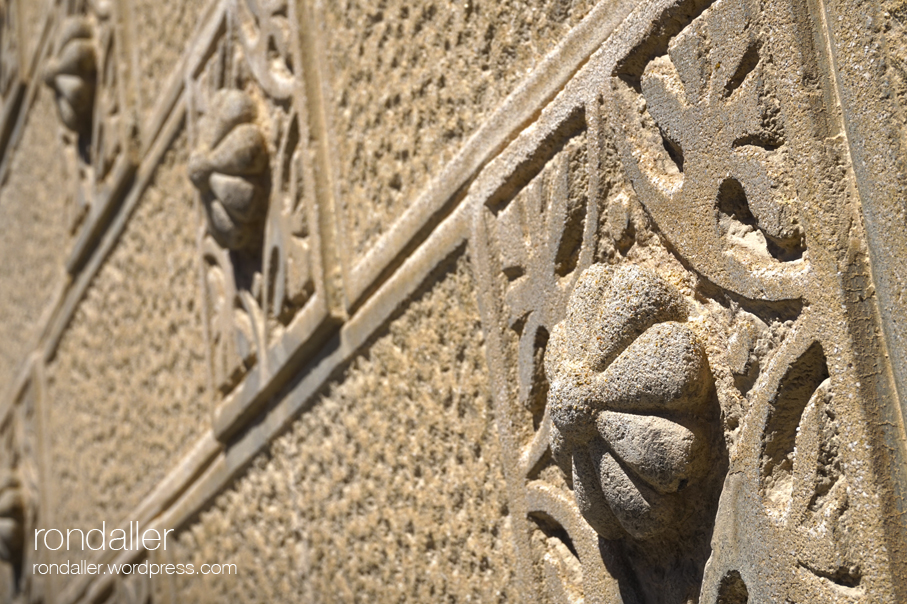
x=406, y=301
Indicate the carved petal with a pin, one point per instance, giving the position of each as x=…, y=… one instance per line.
x=75, y=91
x=242, y=152
x=587, y=487
x=636, y=299
x=637, y=508
x=659, y=451
x=664, y=369
x=77, y=58
x=229, y=109
x=223, y=227
x=236, y=194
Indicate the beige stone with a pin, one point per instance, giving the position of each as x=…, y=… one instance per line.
x=408, y=301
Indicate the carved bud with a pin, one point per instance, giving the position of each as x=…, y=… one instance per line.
x=72, y=73
x=629, y=384
x=230, y=168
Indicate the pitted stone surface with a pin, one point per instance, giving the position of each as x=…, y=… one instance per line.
x=35, y=223
x=133, y=412
x=389, y=489
x=162, y=33
x=413, y=80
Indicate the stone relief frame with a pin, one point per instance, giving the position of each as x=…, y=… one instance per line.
x=96, y=100
x=272, y=304
x=12, y=86
x=830, y=305
x=22, y=465
x=772, y=396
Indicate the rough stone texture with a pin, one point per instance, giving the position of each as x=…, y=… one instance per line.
x=389, y=489
x=162, y=32
x=647, y=352
x=411, y=81
x=127, y=388
x=34, y=15
x=33, y=245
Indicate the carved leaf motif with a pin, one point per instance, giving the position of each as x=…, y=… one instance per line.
x=541, y=235
x=704, y=143
x=265, y=31
x=231, y=327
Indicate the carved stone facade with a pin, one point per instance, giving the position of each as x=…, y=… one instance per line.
x=555, y=301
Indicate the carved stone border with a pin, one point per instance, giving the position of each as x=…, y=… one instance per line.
x=440, y=223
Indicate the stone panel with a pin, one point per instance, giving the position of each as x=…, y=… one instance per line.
x=126, y=392
x=33, y=215
x=34, y=15
x=389, y=489
x=162, y=32
x=412, y=80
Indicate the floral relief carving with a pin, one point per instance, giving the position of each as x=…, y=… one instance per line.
x=12, y=517
x=99, y=128
x=229, y=167
x=629, y=400
x=703, y=140
x=249, y=166
x=19, y=494
x=72, y=73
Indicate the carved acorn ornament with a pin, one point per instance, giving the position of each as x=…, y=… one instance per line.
x=72, y=73
x=230, y=169
x=629, y=389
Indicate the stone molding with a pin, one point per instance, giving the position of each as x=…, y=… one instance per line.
x=613, y=139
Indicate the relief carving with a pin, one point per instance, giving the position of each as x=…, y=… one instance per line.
x=665, y=318
x=250, y=169
x=695, y=419
x=629, y=399
x=702, y=136
x=265, y=31
x=72, y=73
x=18, y=496
x=12, y=517
x=719, y=153
x=229, y=167
x=99, y=127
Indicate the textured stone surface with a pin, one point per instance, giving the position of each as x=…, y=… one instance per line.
x=389, y=489
x=639, y=344
x=412, y=80
x=162, y=32
x=34, y=16
x=33, y=244
x=127, y=389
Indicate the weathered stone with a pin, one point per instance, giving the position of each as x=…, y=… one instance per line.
x=555, y=301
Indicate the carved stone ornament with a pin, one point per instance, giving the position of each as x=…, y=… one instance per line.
x=18, y=495
x=229, y=167
x=258, y=244
x=703, y=135
x=12, y=518
x=72, y=73
x=629, y=391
